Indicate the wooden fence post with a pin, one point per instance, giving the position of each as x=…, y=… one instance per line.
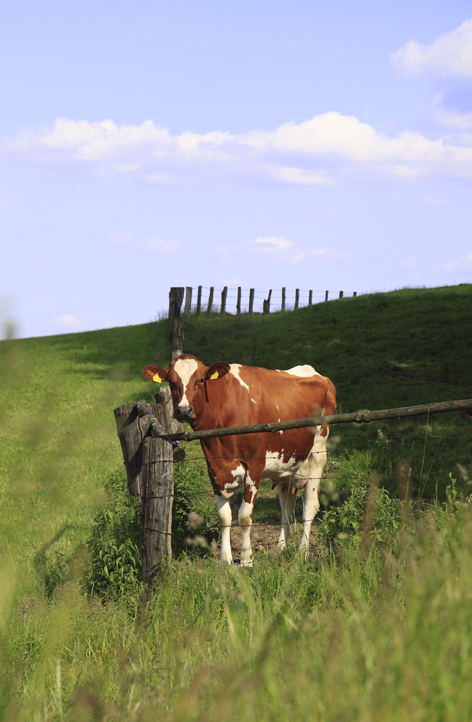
x=188, y=301
x=238, y=302
x=251, y=300
x=310, y=298
x=133, y=429
x=341, y=294
x=156, y=509
x=199, y=301
x=283, y=299
x=210, y=302
x=297, y=297
x=266, y=303
x=224, y=293
x=176, y=331
x=354, y=295
x=326, y=295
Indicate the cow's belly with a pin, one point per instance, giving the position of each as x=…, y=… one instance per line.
x=280, y=471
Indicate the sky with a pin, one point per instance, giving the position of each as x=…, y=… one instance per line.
x=151, y=144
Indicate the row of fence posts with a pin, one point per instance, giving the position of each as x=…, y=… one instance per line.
x=176, y=297
x=224, y=293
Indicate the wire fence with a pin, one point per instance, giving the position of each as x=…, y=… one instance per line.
x=243, y=300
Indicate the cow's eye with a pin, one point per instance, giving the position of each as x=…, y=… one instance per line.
x=200, y=381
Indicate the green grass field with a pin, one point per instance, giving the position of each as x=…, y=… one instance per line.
x=374, y=625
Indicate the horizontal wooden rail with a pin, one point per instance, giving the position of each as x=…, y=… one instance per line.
x=356, y=417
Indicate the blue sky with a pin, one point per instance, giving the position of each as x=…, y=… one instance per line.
x=262, y=144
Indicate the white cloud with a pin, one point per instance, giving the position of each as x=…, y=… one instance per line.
x=437, y=200
x=274, y=250
x=67, y=320
x=127, y=239
x=464, y=265
x=448, y=56
x=328, y=149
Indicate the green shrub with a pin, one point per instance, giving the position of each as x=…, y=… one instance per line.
x=115, y=563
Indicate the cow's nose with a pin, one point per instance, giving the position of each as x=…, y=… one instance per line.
x=184, y=413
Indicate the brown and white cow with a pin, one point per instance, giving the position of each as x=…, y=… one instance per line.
x=227, y=395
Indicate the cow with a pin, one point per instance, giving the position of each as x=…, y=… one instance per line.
x=226, y=395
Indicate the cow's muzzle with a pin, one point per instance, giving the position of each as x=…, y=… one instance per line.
x=184, y=413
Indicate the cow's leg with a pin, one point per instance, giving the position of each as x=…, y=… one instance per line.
x=311, y=504
x=287, y=505
x=246, y=511
x=224, y=515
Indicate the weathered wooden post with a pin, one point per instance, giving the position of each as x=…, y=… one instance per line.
x=224, y=293
x=283, y=299
x=176, y=331
x=238, y=302
x=149, y=468
x=199, y=301
x=188, y=301
x=266, y=303
x=156, y=505
x=297, y=297
x=326, y=295
x=341, y=294
x=251, y=300
x=310, y=298
x=354, y=295
x=210, y=302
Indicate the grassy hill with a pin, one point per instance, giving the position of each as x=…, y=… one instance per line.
x=59, y=462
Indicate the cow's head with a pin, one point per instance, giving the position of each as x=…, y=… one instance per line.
x=188, y=380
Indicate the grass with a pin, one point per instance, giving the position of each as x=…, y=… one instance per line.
x=374, y=626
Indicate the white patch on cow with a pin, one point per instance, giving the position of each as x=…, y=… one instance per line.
x=306, y=371
x=245, y=522
x=185, y=368
x=224, y=516
x=275, y=468
x=235, y=370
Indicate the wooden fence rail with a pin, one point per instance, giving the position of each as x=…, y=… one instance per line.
x=356, y=417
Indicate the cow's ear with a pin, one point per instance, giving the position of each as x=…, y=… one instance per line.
x=155, y=373
x=217, y=371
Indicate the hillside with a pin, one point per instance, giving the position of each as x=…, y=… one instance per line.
x=57, y=393
x=380, y=607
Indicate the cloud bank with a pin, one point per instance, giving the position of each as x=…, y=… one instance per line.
x=328, y=149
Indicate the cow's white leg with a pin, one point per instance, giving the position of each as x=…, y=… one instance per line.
x=287, y=505
x=311, y=502
x=224, y=515
x=245, y=521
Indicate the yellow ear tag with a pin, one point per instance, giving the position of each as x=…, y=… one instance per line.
x=214, y=376
x=157, y=379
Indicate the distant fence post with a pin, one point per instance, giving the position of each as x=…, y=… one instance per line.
x=238, y=302
x=283, y=299
x=176, y=332
x=354, y=295
x=188, y=301
x=266, y=303
x=297, y=297
x=341, y=294
x=210, y=302
x=199, y=301
x=326, y=295
x=310, y=298
x=224, y=293
x=251, y=300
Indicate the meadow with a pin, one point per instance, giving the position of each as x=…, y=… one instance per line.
x=374, y=624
